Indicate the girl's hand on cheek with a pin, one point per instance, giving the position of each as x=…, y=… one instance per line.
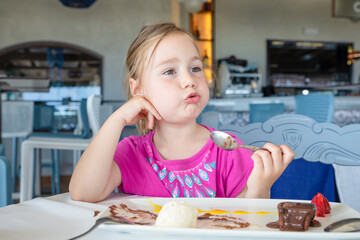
x=268, y=167
x=136, y=109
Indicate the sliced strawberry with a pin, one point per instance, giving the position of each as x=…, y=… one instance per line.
x=322, y=205
x=327, y=206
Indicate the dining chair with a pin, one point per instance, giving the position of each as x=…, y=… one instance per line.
x=93, y=109
x=16, y=124
x=44, y=127
x=5, y=182
x=129, y=130
x=59, y=143
x=209, y=117
x=89, y=112
x=260, y=112
x=315, y=142
x=318, y=106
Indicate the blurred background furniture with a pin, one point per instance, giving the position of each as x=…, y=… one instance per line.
x=17, y=124
x=209, y=117
x=5, y=181
x=318, y=106
x=27, y=159
x=44, y=127
x=93, y=108
x=315, y=142
x=129, y=130
x=16, y=119
x=57, y=142
x=260, y=112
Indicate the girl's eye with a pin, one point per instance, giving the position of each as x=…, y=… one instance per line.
x=195, y=69
x=169, y=72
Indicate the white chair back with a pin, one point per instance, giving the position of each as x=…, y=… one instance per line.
x=93, y=109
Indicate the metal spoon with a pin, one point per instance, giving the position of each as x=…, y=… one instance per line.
x=226, y=142
x=102, y=220
x=345, y=225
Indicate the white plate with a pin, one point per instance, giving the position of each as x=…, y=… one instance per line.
x=257, y=229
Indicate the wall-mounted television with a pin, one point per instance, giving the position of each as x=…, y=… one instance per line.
x=295, y=65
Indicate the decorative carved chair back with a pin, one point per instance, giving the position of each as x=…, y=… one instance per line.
x=315, y=142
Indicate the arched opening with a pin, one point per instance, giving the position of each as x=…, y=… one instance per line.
x=74, y=73
x=66, y=65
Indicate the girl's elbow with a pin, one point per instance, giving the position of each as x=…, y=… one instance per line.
x=79, y=196
x=76, y=194
x=84, y=196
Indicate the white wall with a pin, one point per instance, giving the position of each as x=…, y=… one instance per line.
x=243, y=26
x=107, y=27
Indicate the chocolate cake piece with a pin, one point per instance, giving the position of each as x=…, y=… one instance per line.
x=295, y=216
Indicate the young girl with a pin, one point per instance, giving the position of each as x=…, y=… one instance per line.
x=174, y=156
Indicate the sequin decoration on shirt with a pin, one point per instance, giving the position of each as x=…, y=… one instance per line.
x=199, y=181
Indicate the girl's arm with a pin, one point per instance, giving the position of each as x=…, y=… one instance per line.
x=96, y=175
x=268, y=167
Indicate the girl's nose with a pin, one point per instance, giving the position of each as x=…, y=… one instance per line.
x=187, y=80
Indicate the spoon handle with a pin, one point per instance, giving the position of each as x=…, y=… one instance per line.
x=102, y=220
x=97, y=223
x=253, y=148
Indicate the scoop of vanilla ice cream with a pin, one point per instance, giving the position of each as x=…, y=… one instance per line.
x=177, y=214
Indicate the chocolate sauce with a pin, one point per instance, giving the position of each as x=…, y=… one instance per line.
x=273, y=224
x=209, y=220
x=96, y=213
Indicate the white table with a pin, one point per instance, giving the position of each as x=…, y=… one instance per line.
x=27, y=158
x=59, y=217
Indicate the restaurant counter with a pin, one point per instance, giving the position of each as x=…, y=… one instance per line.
x=236, y=110
x=242, y=104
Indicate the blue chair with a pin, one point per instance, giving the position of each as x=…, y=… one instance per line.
x=260, y=112
x=209, y=117
x=318, y=106
x=324, y=143
x=5, y=181
x=129, y=130
x=207, y=108
x=43, y=118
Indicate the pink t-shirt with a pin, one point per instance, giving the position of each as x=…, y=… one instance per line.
x=212, y=172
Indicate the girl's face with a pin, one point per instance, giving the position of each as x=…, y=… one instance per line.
x=174, y=81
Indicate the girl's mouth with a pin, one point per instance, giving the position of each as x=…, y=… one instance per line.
x=192, y=98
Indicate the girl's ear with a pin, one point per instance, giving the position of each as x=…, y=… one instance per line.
x=135, y=87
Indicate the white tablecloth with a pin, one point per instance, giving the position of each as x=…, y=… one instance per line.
x=56, y=217
x=59, y=217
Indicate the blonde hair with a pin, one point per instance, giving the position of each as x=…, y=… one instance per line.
x=137, y=56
